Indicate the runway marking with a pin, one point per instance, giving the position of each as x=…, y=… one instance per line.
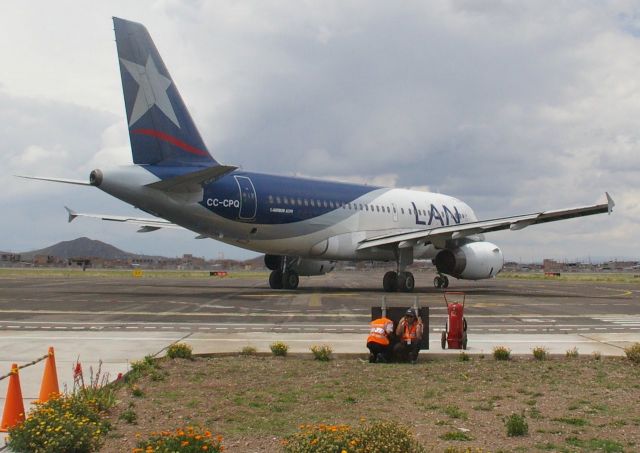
x=177, y=313
x=623, y=294
x=622, y=320
x=315, y=300
x=301, y=294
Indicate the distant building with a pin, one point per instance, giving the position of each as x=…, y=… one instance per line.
x=549, y=265
x=10, y=257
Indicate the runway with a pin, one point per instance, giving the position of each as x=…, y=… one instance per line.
x=336, y=303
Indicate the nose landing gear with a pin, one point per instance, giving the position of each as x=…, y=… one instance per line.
x=441, y=281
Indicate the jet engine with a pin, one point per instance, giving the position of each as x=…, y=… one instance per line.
x=302, y=266
x=472, y=261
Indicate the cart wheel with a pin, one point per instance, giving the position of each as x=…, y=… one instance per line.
x=464, y=324
x=443, y=340
x=464, y=340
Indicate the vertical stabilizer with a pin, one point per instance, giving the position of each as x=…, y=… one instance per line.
x=160, y=127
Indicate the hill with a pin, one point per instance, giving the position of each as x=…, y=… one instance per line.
x=81, y=247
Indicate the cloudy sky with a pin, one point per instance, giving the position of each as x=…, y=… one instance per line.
x=514, y=107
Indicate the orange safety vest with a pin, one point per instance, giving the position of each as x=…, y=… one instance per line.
x=380, y=329
x=410, y=333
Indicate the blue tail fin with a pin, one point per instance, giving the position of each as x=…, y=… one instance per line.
x=160, y=127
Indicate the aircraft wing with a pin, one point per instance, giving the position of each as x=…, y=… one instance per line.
x=441, y=234
x=146, y=225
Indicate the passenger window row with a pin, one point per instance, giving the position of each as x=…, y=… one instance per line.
x=293, y=201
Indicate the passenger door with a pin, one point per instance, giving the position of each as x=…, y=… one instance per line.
x=248, y=201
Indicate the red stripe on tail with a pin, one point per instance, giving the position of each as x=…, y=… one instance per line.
x=171, y=139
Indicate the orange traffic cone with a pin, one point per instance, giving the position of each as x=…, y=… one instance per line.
x=13, y=406
x=49, y=385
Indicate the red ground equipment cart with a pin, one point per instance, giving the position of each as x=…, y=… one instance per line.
x=454, y=334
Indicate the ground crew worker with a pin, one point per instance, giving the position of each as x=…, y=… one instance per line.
x=378, y=341
x=409, y=331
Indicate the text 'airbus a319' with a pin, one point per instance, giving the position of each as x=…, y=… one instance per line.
x=302, y=225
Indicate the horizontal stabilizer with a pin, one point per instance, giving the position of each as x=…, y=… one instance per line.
x=62, y=180
x=72, y=214
x=186, y=183
x=146, y=225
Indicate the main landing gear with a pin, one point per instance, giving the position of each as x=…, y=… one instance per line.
x=398, y=281
x=441, y=281
x=401, y=280
x=284, y=278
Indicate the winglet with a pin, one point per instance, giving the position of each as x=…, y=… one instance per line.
x=72, y=214
x=610, y=203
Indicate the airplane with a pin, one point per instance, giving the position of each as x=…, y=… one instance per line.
x=303, y=226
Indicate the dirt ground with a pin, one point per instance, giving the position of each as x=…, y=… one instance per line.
x=569, y=404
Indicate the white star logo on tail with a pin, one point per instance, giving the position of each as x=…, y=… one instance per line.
x=152, y=90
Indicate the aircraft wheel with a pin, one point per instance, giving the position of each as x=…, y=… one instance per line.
x=290, y=280
x=445, y=281
x=390, y=281
x=437, y=282
x=409, y=282
x=443, y=340
x=406, y=282
x=275, y=280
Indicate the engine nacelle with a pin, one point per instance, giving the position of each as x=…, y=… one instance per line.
x=273, y=262
x=302, y=266
x=307, y=267
x=473, y=261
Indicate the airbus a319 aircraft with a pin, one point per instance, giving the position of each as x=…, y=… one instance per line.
x=303, y=226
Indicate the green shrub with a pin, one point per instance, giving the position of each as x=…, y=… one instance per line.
x=501, y=353
x=66, y=424
x=249, y=350
x=136, y=391
x=129, y=416
x=572, y=353
x=96, y=392
x=540, y=353
x=455, y=412
x=321, y=353
x=141, y=368
x=180, y=351
x=183, y=440
x=463, y=357
x=516, y=425
x=388, y=437
x=633, y=352
x=279, y=349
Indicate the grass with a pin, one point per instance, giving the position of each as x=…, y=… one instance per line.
x=455, y=435
x=573, y=277
x=255, y=401
x=602, y=445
